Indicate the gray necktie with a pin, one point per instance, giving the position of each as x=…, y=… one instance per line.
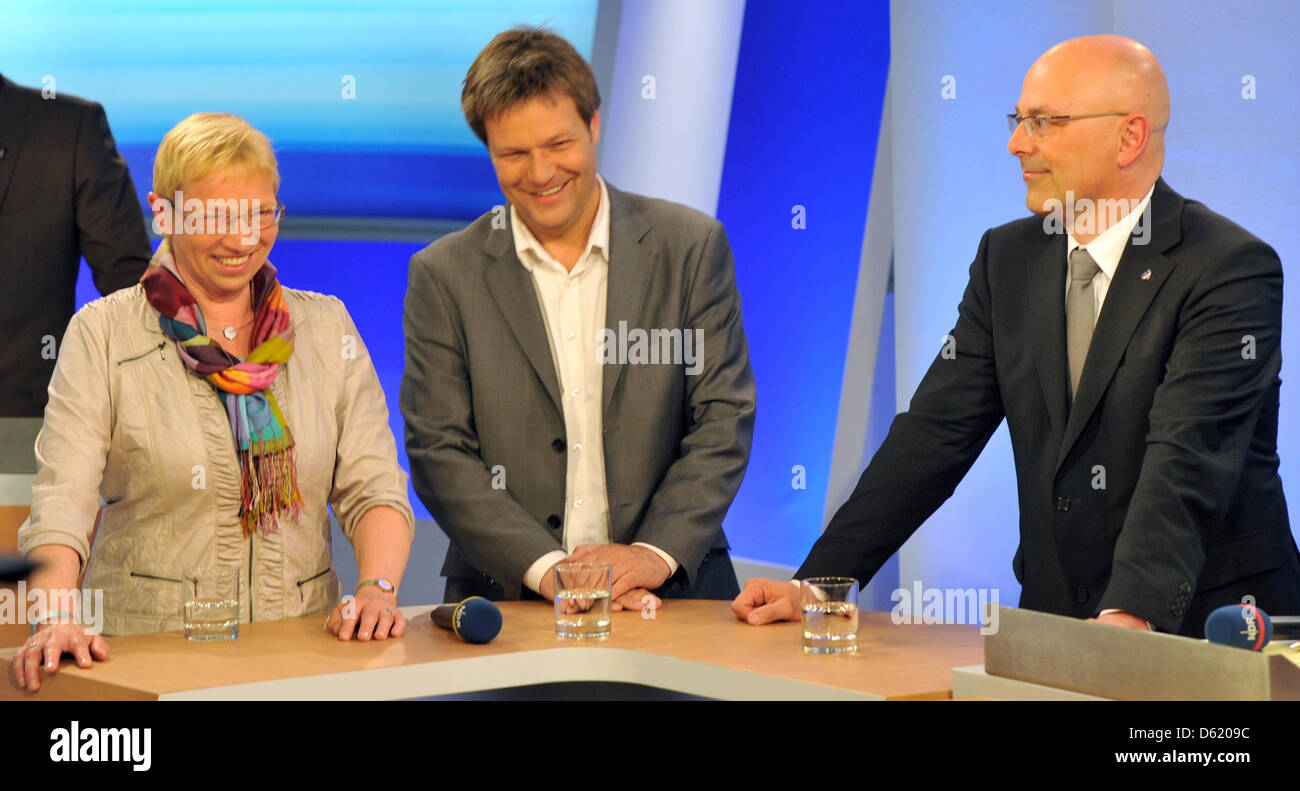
x=1080, y=313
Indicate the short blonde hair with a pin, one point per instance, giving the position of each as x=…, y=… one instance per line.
x=207, y=143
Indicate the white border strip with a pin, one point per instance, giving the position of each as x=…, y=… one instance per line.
x=544, y=666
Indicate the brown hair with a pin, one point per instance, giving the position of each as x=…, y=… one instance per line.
x=522, y=63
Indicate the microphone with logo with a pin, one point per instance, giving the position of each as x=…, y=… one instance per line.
x=474, y=620
x=1240, y=626
x=1247, y=626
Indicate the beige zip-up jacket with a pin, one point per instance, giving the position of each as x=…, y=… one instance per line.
x=129, y=423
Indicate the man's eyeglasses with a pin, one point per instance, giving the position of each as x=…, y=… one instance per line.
x=1036, y=125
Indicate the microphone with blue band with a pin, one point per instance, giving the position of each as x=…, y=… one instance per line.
x=474, y=620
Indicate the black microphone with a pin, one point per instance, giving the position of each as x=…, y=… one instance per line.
x=475, y=620
x=1239, y=625
x=13, y=569
x=1286, y=627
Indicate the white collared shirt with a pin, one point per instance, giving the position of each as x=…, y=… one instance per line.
x=1106, y=250
x=572, y=303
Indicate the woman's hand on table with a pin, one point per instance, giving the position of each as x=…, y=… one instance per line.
x=370, y=615
x=44, y=650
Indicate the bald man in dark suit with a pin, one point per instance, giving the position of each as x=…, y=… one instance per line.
x=1135, y=355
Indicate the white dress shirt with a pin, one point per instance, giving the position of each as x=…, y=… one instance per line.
x=572, y=303
x=1106, y=250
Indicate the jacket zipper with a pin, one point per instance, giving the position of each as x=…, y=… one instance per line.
x=161, y=348
x=250, y=577
x=301, y=583
x=153, y=577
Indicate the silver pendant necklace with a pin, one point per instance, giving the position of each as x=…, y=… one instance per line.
x=231, y=331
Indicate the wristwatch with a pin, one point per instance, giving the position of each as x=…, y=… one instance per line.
x=380, y=583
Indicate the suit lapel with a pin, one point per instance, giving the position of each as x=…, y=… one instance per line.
x=511, y=286
x=630, y=266
x=1127, y=300
x=1045, y=280
x=13, y=129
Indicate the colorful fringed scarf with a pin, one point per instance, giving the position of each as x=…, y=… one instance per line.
x=263, y=442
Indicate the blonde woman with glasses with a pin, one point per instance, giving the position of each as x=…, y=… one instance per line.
x=218, y=416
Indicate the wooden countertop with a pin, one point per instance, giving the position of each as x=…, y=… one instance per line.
x=697, y=647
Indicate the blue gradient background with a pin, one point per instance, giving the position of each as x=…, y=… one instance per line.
x=804, y=120
x=401, y=148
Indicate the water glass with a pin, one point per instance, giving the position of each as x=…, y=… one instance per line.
x=582, y=600
x=210, y=598
x=830, y=615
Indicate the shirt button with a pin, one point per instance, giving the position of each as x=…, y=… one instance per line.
x=557, y=445
x=577, y=447
x=1063, y=503
x=571, y=335
x=575, y=392
x=577, y=503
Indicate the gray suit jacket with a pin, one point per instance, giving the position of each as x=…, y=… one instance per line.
x=480, y=390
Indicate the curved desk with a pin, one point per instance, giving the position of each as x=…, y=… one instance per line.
x=693, y=647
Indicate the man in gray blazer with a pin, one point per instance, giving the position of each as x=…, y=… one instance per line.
x=577, y=377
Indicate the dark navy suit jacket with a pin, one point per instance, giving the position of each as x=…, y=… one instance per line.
x=64, y=192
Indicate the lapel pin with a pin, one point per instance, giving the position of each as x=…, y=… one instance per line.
x=1146, y=275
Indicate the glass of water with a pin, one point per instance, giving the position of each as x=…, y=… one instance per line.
x=210, y=598
x=830, y=615
x=582, y=599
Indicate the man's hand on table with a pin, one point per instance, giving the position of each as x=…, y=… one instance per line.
x=636, y=570
x=43, y=650
x=765, y=600
x=1121, y=618
x=372, y=614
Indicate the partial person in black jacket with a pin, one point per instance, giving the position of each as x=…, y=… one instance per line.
x=64, y=192
x=1140, y=389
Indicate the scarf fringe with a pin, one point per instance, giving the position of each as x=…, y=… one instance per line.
x=268, y=490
